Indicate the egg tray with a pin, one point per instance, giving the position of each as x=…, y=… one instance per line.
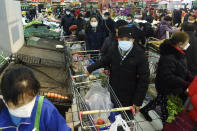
x=33, y=60
x=40, y=56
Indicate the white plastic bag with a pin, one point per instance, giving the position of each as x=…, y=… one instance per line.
x=119, y=122
x=98, y=98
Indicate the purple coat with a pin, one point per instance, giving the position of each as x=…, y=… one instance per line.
x=163, y=27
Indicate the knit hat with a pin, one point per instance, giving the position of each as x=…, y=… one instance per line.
x=72, y=27
x=126, y=32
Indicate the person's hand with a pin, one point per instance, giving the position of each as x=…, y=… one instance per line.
x=179, y=28
x=186, y=91
x=136, y=108
x=107, y=72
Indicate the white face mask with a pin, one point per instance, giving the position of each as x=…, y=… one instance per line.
x=187, y=46
x=94, y=24
x=23, y=111
x=125, y=45
x=191, y=21
x=68, y=12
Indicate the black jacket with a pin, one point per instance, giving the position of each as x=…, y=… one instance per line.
x=95, y=39
x=191, y=53
x=128, y=78
x=109, y=42
x=80, y=24
x=177, y=16
x=67, y=21
x=109, y=26
x=173, y=76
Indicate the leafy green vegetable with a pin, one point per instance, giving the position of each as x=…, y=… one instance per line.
x=174, y=106
x=32, y=23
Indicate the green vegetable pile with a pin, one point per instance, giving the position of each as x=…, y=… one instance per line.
x=174, y=106
x=40, y=31
x=35, y=22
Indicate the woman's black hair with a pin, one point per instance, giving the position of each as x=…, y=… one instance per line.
x=89, y=27
x=17, y=81
x=177, y=38
x=130, y=15
x=168, y=18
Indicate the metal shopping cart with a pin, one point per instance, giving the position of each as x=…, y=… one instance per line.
x=86, y=116
x=77, y=62
x=80, y=82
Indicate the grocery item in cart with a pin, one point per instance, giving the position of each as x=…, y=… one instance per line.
x=98, y=98
x=75, y=47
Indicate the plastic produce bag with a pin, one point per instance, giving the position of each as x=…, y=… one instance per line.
x=76, y=47
x=98, y=98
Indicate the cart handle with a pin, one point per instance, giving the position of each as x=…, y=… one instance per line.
x=106, y=111
x=88, y=81
x=154, y=38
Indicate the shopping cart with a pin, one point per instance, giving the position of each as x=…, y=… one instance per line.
x=80, y=85
x=77, y=63
x=86, y=116
x=72, y=47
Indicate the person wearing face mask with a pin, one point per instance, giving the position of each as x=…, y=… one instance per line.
x=111, y=40
x=129, y=70
x=192, y=19
x=130, y=21
x=23, y=110
x=191, y=53
x=186, y=17
x=165, y=26
x=67, y=21
x=173, y=76
x=95, y=34
x=108, y=24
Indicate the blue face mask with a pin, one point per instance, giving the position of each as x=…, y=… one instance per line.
x=87, y=19
x=125, y=45
x=104, y=18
